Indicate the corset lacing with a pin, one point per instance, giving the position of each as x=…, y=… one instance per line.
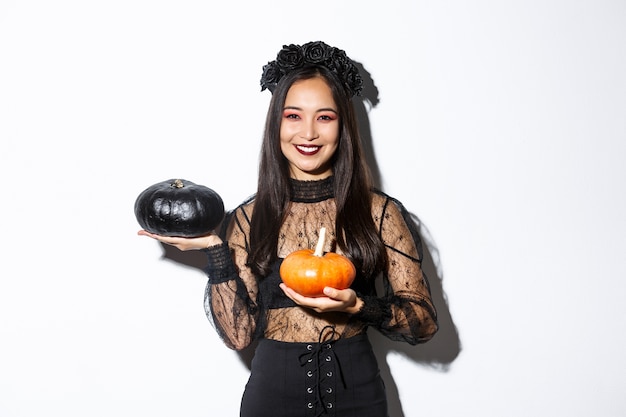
x=318, y=363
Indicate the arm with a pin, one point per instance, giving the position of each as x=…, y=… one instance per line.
x=230, y=299
x=405, y=312
x=231, y=293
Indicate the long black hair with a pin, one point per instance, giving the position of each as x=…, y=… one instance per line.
x=355, y=229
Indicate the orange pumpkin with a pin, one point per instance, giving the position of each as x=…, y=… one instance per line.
x=308, y=272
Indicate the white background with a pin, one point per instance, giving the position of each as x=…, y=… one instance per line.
x=500, y=124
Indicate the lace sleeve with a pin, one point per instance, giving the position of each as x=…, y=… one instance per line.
x=230, y=299
x=405, y=312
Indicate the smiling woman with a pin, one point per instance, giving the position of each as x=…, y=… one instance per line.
x=313, y=355
x=309, y=133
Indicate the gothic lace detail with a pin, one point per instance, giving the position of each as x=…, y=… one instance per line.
x=242, y=308
x=311, y=191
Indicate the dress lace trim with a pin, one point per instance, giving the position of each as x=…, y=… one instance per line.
x=312, y=191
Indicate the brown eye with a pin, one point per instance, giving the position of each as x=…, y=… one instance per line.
x=328, y=117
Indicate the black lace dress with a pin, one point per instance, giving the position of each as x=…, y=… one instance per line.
x=309, y=363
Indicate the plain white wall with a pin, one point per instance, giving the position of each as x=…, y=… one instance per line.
x=500, y=124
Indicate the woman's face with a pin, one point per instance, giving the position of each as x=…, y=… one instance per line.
x=309, y=130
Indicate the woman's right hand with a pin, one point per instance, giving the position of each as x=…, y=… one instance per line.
x=185, y=243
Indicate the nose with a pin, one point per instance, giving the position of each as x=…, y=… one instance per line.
x=309, y=132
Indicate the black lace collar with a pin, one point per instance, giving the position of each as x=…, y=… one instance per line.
x=311, y=191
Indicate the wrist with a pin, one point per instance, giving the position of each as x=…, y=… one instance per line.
x=212, y=240
x=358, y=305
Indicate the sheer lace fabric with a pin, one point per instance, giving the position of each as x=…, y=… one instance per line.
x=242, y=307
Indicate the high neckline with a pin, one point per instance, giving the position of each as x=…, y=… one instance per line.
x=311, y=191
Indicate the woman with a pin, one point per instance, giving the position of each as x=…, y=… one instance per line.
x=313, y=357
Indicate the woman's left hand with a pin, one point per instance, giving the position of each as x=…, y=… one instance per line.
x=334, y=300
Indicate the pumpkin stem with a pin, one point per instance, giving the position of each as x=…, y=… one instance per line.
x=319, y=249
x=178, y=184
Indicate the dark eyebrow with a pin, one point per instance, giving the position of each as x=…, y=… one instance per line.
x=330, y=109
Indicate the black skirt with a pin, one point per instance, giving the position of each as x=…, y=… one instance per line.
x=336, y=378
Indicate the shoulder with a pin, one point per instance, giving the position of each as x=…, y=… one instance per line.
x=388, y=211
x=246, y=206
x=239, y=217
x=384, y=205
x=395, y=223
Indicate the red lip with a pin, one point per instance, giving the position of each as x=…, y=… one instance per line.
x=310, y=150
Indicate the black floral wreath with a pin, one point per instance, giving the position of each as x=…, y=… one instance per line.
x=292, y=57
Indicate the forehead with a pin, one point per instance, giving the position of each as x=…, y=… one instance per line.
x=310, y=90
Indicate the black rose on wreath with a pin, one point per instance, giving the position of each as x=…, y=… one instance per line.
x=292, y=57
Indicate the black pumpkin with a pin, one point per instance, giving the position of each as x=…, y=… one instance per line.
x=179, y=207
